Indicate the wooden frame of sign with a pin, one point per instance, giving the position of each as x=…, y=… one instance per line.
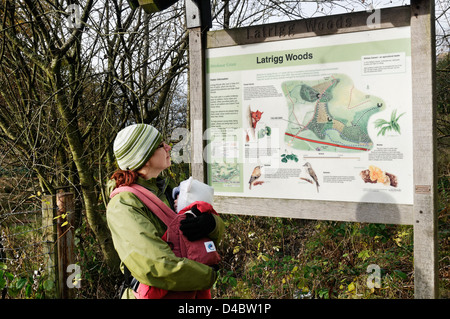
x=421, y=214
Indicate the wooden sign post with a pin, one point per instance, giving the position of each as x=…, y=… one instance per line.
x=425, y=180
x=198, y=21
x=305, y=59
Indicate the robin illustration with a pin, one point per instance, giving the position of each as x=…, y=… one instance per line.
x=255, y=175
x=312, y=174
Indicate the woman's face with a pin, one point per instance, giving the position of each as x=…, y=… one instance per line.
x=160, y=159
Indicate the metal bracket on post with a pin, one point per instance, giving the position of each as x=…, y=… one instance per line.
x=198, y=14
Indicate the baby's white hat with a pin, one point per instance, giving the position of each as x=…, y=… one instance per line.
x=192, y=190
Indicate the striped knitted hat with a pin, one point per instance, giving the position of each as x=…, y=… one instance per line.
x=135, y=144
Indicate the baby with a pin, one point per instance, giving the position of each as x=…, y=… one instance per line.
x=190, y=191
x=197, y=197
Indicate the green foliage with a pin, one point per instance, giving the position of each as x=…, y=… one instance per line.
x=30, y=287
x=287, y=258
x=97, y=280
x=21, y=273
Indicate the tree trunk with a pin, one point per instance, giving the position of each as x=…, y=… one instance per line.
x=87, y=182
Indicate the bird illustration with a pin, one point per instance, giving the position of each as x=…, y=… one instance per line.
x=255, y=175
x=312, y=174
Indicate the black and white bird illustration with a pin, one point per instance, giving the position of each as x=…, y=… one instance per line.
x=255, y=175
x=312, y=174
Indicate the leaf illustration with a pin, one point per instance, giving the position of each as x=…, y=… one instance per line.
x=385, y=126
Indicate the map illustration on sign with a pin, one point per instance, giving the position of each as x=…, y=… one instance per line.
x=329, y=114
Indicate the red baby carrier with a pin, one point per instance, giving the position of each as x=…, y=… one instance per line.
x=202, y=250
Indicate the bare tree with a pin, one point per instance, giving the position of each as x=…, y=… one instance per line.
x=67, y=88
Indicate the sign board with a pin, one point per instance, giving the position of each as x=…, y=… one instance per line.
x=318, y=118
x=312, y=112
x=329, y=118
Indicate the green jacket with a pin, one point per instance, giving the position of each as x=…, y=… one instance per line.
x=136, y=234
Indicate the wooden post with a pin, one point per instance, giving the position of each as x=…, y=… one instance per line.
x=49, y=239
x=424, y=100
x=198, y=22
x=65, y=241
x=196, y=102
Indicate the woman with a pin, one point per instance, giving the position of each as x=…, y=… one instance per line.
x=136, y=232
